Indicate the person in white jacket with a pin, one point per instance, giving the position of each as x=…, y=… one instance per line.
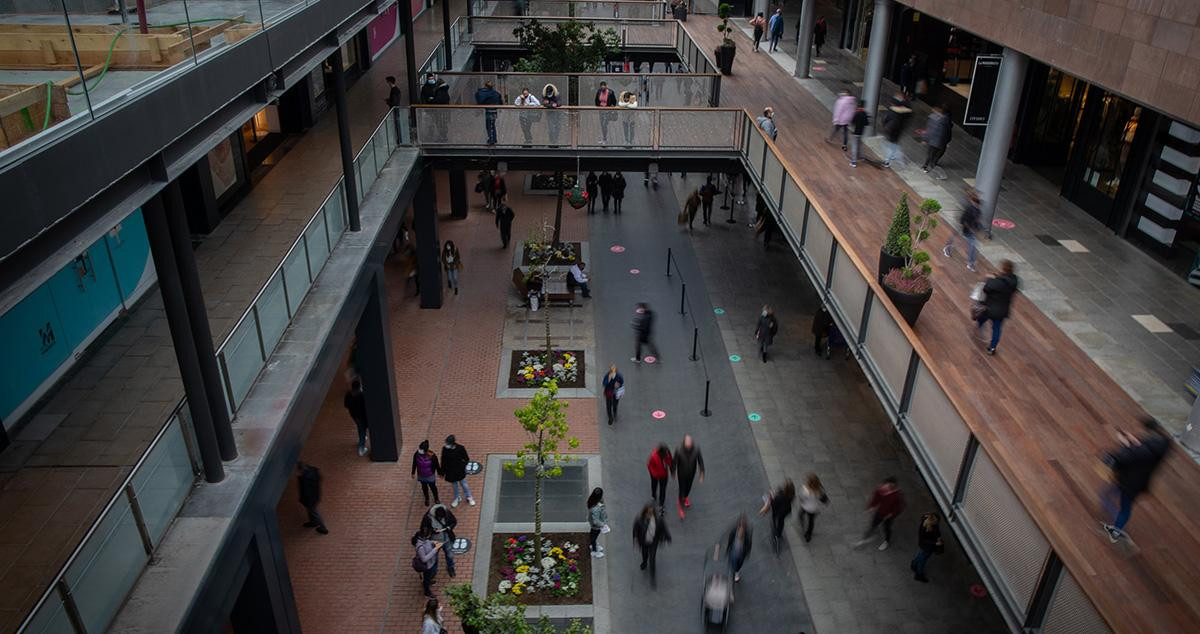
x=629, y=100
x=527, y=100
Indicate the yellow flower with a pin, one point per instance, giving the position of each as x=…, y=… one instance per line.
x=522, y=568
x=556, y=551
x=517, y=589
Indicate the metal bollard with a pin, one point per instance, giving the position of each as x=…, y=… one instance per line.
x=695, y=339
x=682, y=297
x=668, y=261
x=705, y=411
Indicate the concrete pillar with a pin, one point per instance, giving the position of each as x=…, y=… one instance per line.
x=805, y=39
x=193, y=297
x=446, y=33
x=429, y=269
x=410, y=58
x=998, y=137
x=458, y=194
x=159, y=236
x=343, y=123
x=1191, y=433
x=880, y=28
x=760, y=6
x=373, y=360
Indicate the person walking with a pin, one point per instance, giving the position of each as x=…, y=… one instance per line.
x=504, y=220
x=708, y=191
x=812, y=500
x=858, y=125
x=425, y=468
x=969, y=223
x=936, y=136
x=759, y=23
x=426, y=559
x=432, y=621
x=441, y=522
x=550, y=101
x=497, y=191
x=843, y=114
x=618, y=192
x=605, y=98
x=527, y=115
x=929, y=542
x=775, y=28
x=597, y=521
x=614, y=389
x=820, y=328
x=643, y=327
x=690, y=206
x=629, y=123
x=997, y=300
x=487, y=96
x=660, y=465
x=895, y=120
x=452, y=263
x=592, y=188
x=737, y=546
x=886, y=503
x=454, y=470
x=309, y=480
x=908, y=76
x=767, y=122
x=605, y=183
x=687, y=462
x=820, y=29
x=356, y=404
x=1133, y=466
x=779, y=504
x=649, y=530
x=766, y=329
x=580, y=277
x=394, y=101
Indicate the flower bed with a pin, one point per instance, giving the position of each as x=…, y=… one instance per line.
x=527, y=369
x=563, y=254
x=546, y=181
x=563, y=577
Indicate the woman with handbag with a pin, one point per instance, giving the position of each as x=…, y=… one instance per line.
x=452, y=262
x=614, y=389
x=929, y=541
x=813, y=500
x=597, y=520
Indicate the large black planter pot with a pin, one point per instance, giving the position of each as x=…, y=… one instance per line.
x=908, y=304
x=725, y=55
x=887, y=262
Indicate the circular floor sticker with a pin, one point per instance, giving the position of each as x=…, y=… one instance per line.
x=818, y=68
x=473, y=468
x=659, y=414
x=616, y=248
x=979, y=591
x=460, y=545
x=719, y=311
x=650, y=359
x=754, y=417
x=634, y=271
x=1003, y=223
x=735, y=357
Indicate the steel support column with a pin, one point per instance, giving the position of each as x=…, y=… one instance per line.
x=373, y=360
x=343, y=124
x=446, y=33
x=410, y=59
x=458, y=194
x=876, y=52
x=429, y=269
x=805, y=39
x=996, y=140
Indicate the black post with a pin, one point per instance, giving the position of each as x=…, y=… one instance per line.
x=730, y=220
x=446, y=33
x=458, y=190
x=705, y=411
x=695, y=340
x=410, y=59
x=429, y=270
x=682, y=297
x=470, y=14
x=193, y=297
x=181, y=337
x=373, y=360
x=668, y=261
x=343, y=121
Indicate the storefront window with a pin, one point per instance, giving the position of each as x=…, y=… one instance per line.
x=1108, y=149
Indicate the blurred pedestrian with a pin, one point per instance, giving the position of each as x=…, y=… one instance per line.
x=441, y=522
x=690, y=206
x=708, y=191
x=760, y=24
x=936, y=136
x=775, y=28
x=504, y=220
x=597, y=521
x=356, y=404
x=969, y=223
x=660, y=465
x=779, y=504
x=737, y=546
x=688, y=461
x=908, y=76
x=886, y=503
x=820, y=28
x=454, y=470
x=593, y=191
x=997, y=300
x=1133, y=465
x=929, y=542
x=432, y=622
x=820, y=328
x=426, y=559
x=452, y=263
x=614, y=389
x=649, y=530
x=425, y=469
x=767, y=122
x=643, y=328
x=618, y=192
x=858, y=125
x=497, y=191
x=605, y=183
x=843, y=114
x=766, y=329
x=895, y=120
x=813, y=500
x=309, y=480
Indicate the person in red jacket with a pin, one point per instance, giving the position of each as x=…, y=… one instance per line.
x=886, y=503
x=659, y=466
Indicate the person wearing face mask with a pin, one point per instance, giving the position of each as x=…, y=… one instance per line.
x=435, y=92
x=765, y=332
x=550, y=101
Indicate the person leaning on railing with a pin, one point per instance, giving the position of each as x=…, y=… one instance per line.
x=487, y=96
x=551, y=102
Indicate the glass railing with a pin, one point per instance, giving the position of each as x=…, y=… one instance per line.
x=609, y=9
x=581, y=127
x=498, y=31
x=677, y=90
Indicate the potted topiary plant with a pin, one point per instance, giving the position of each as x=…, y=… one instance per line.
x=891, y=254
x=908, y=286
x=726, y=51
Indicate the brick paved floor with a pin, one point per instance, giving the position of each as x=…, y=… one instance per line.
x=358, y=577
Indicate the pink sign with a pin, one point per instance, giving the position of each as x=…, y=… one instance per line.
x=616, y=248
x=650, y=359
x=659, y=414
x=1003, y=224
x=382, y=30
x=818, y=68
x=634, y=271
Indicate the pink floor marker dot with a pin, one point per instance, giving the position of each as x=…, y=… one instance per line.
x=1003, y=224
x=634, y=271
x=818, y=68
x=659, y=414
x=650, y=359
x=616, y=248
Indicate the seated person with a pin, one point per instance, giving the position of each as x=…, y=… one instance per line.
x=578, y=275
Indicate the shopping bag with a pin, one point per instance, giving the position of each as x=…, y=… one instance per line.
x=977, y=294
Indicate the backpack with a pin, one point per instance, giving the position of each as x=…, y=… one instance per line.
x=418, y=564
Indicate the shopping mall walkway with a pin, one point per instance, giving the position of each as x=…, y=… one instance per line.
x=65, y=465
x=1064, y=417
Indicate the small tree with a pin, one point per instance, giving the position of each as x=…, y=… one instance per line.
x=913, y=277
x=723, y=12
x=567, y=47
x=545, y=420
x=898, y=229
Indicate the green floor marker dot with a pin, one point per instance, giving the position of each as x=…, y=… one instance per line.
x=735, y=357
x=719, y=311
x=754, y=417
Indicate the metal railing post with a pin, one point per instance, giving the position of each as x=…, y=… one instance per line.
x=668, y=261
x=68, y=601
x=706, y=411
x=695, y=340
x=139, y=519
x=682, y=297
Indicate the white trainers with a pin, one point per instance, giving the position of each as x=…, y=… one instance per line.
x=861, y=542
x=470, y=500
x=362, y=451
x=597, y=554
x=883, y=546
x=455, y=502
x=946, y=252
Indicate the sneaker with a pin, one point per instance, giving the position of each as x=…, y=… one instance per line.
x=991, y=352
x=643, y=566
x=946, y=251
x=455, y=503
x=862, y=542
x=599, y=548
x=737, y=576
x=924, y=169
x=1114, y=534
x=884, y=545
x=451, y=573
x=310, y=525
x=921, y=578
x=470, y=500
x=687, y=502
x=362, y=450
x=635, y=359
x=679, y=507
x=597, y=554
x=971, y=268
x=887, y=163
x=322, y=530
x=853, y=164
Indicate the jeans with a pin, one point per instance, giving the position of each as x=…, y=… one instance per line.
x=452, y=277
x=604, y=121
x=706, y=206
x=845, y=129
x=527, y=129
x=893, y=151
x=449, y=557
x=314, y=516
x=592, y=535
x=428, y=487
x=583, y=286
x=617, y=205
x=427, y=578
x=362, y=432
x=996, y=324
x=887, y=527
x=855, y=145
x=553, y=124
x=758, y=34
x=460, y=490
x=972, y=247
x=658, y=490
x=630, y=129
x=644, y=341
x=932, y=156
x=1124, y=506
x=775, y=41
x=808, y=528
x=685, y=488
x=610, y=406
x=919, y=562
x=489, y=123
x=649, y=554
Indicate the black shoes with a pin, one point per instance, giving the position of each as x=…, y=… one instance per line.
x=322, y=530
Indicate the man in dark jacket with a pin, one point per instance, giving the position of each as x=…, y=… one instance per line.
x=618, y=192
x=688, y=461
x=440, y=522
x=858, y=125
x=605, y=182
x=487, y=96
x=435, y=92
x=820, y=328
x=649, y=530
x=394, y=100
x=504, y=220
x=356, y=404
x=309, y=479
x=643, y=325
x=454, y=469
x=998, y=293
x=1133, y=467
x=895, y=120
x=708, y=191
x=605, y=98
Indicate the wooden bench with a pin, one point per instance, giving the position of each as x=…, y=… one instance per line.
x=554, y=291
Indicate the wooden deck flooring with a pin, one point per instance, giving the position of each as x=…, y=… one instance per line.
x=1041, y=408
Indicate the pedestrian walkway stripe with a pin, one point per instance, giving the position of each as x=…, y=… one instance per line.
x=754, y=417
x=735, y=357
x=659, y=414
x=719, y=311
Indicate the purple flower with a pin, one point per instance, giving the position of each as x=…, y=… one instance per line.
x=521, y=538
x=557, y=577
x=572, y=569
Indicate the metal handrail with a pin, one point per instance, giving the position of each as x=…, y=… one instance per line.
x=472, y=73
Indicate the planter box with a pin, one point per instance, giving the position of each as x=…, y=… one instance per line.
x=583, y=562
x=515, y=365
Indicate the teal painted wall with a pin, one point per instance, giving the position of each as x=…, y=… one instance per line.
x=43, y=332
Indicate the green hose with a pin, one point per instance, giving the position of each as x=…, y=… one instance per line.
x=28, y=118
